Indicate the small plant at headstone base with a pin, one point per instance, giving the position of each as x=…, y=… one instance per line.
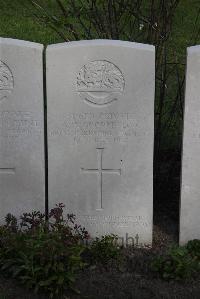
x=193, y=246
x=178, y=264
x=44, y=256
x=105, y=249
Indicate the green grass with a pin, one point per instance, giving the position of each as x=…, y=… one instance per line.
x=184, y=28
x=17, y=21
x=3, y=294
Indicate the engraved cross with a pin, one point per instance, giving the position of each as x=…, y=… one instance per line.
x=100, y=171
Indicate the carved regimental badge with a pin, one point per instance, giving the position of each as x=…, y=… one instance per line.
x=6, y=81
x=100, y=82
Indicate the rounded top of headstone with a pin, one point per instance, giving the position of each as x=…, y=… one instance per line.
x=12, y=42
x=101, y=42
x=193, y=50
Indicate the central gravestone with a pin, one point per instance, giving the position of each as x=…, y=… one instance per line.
x=100, y=135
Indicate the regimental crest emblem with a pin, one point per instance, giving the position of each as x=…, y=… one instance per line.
x=100, y=82
x=6, y=81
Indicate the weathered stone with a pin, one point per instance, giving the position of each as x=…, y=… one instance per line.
x=100, y=135
x=21, y=127
x=190, y=191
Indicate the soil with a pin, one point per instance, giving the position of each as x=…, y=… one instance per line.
x=133, y=279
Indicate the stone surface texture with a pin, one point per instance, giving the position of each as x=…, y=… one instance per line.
x=21, y=127
x=100, y=135
x=190, y=191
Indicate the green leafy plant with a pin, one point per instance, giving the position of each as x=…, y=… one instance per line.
x=177, y=264
x=42, y=255
x=105, y=249
x=193, y=247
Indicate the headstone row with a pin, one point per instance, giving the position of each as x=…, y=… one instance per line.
x=100, y=109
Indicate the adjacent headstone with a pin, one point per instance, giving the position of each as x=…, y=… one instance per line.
x=21, y=127
x=100, y=135
x=190, y=192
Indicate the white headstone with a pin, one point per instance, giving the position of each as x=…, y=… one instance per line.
x=190, y=191
x=100, y=135
x=21, y=127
